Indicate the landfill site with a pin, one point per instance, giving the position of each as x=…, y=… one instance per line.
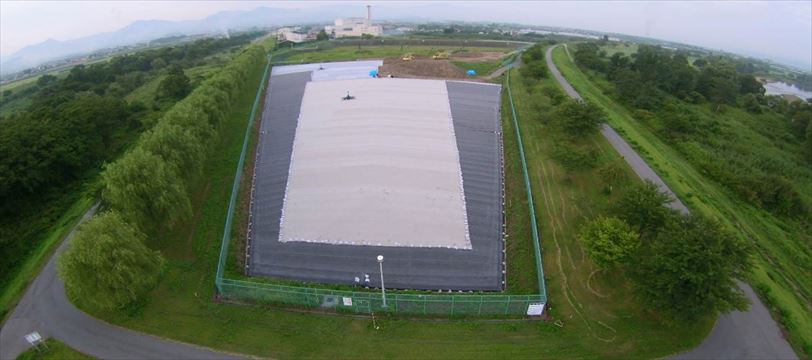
x=351, y=165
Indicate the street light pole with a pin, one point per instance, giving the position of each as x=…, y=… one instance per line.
x=383, y=288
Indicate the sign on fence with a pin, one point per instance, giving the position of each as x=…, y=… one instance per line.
x=535, y=309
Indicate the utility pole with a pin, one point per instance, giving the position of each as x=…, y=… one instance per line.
x=383, y=287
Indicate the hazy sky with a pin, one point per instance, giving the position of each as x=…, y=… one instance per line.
x=781, y=30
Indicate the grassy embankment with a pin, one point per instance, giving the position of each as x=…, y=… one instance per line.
x=53, y=350
x=781, y=268
x=182, y=306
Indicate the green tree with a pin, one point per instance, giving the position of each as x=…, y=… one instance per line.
x=809, y=140
x=751, y=104
x=689, y=270
x=718, y=83
x=610, y=242
x=178, y=147
x=588, y=55
x=158, y=63
x=643, y=207
x=107, y=263
x=579, y=118
x=146, y=189
x=322, y=35
x=175, y=85
x=749, y=85
x=535, y=70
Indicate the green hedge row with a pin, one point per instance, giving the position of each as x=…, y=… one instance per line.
x=150, y=185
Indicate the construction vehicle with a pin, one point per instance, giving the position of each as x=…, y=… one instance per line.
x=407, y=57
x=442, y=55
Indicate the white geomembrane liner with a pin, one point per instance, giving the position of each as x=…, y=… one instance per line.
x=339, y=70
x=382, y=169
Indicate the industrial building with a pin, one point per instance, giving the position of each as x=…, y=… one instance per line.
x=354, y=27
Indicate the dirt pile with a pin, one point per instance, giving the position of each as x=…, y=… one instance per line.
x=421, y=68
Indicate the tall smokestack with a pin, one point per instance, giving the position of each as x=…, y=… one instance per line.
x=369, y=14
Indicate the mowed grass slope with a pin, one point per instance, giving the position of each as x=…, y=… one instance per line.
x=782, y=268
x=183, y=306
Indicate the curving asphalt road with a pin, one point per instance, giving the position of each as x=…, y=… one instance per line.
x=634, y=160
x=751, y=334
x=46, y=309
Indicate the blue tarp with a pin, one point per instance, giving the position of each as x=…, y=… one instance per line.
x=373, y=73
x=472, y=72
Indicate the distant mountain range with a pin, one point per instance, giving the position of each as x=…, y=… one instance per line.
x=146, y=30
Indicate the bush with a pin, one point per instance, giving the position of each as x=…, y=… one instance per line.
x=572, y=158
x=610, y=242
x=579, y=118
x=107, y=263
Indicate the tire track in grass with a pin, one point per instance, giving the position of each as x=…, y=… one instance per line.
x=565, y=287
x=552, y=218
x=569, y=292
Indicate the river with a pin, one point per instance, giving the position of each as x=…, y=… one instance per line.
x=781, y=88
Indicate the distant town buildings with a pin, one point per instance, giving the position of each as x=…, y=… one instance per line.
x=354, y=27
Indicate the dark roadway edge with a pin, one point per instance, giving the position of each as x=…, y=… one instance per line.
x=45, y=308
x=751, y=334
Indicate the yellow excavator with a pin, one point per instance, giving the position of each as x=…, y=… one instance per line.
x=442, y=55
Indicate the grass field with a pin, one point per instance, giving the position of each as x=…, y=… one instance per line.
x=19, y=84
x=780, y=272
x=619, y=47
x=53, y=350
x=345, y=53
x=603, y=323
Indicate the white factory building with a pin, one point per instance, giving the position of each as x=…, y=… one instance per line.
x=354, y=27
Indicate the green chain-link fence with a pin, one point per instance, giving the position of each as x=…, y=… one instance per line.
x=435, y=304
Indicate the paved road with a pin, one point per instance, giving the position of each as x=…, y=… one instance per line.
x=46, y=309
x=634, y=160
x=751, y=334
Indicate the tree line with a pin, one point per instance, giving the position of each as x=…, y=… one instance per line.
x=147, y=190
x=74, y=123
x=710, y=110
x=683, y=267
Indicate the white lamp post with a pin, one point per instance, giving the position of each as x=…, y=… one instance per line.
x=383, y=288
